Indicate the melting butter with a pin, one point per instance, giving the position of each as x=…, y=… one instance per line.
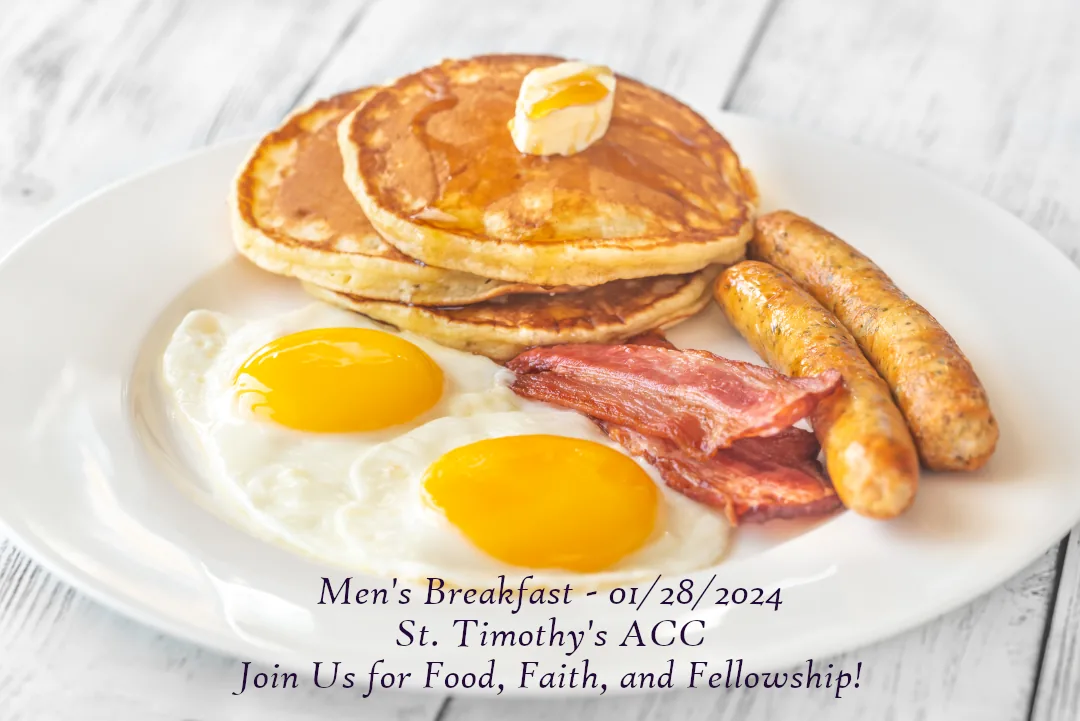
x=563, y=109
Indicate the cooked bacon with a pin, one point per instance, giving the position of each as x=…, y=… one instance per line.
x=667, y=406
x=755, y=480
x=700, y=401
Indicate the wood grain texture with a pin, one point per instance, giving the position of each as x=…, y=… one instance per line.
x=989, y=98
x=986, y=97
x=93, y=92
x=968, y=96
x=106, y=90
x=1058, y=693
x=63, y=657
x=957, y=667
x=691, y=49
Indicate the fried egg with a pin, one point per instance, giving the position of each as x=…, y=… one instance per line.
x=382, y=451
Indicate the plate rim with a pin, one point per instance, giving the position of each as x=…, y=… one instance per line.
x=234, y=646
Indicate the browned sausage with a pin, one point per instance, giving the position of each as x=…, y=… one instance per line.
x=931, y=379
x=869, y=452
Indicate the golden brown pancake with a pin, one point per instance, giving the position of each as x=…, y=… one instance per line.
x=431, y=161
x=503, y=327
x=293, y=215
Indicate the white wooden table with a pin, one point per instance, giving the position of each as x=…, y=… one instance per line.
x=985, y=93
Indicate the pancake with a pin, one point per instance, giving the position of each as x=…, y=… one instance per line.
x=503, y=327
x=431, y=161
x=293, y=215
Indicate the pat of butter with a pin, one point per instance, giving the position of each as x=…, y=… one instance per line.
x=563, y=109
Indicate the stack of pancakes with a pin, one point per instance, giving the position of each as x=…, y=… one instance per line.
x=410, y=204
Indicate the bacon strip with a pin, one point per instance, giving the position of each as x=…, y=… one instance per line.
x=755, y=480
x=700, y=401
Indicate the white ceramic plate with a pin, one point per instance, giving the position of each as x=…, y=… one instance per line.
x=94, y=488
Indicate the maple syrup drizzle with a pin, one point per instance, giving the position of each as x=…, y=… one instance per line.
x=485, y=168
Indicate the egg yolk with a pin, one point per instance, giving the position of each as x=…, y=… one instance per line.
x=338, y=380
x=543, y=501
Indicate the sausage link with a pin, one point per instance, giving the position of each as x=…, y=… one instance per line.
x=869, y=452
x=933, y=382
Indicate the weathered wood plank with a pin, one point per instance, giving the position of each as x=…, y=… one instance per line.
x=63, y=657
x=690, y=49
x=988, y=97
x=949, y=669
x=229, y=97
x=990, y=100
x=93, y=92
x=102, y=90
x=1058, y=693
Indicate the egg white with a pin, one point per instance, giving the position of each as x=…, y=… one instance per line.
x=356, y=499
